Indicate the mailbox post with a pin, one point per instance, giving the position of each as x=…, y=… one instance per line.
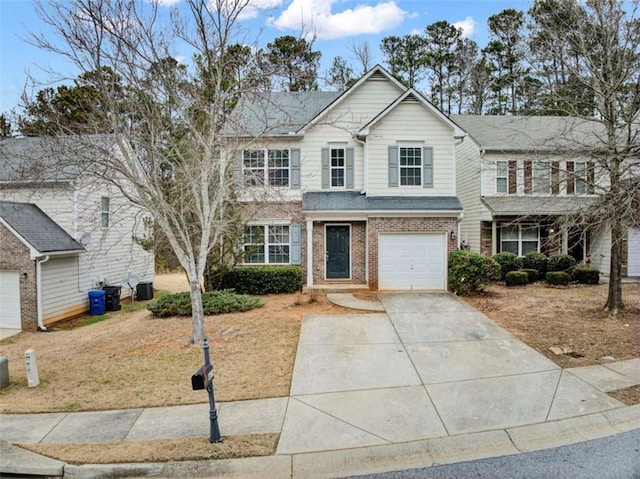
x=203, y=379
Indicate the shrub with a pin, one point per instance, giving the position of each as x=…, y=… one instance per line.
x=508, y=262
x=532, y=274
x=468, y=272
x=517, y=278
x=586, y=275
x=213, y=302
x=537, y=261
x=557, y=278
x=560, y=262
x=260, y=280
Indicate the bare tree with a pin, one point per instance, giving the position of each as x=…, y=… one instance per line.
x=599, y=41
x=362, y=54
x=168, y=122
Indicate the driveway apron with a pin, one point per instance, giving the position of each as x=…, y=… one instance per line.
x=429, y=366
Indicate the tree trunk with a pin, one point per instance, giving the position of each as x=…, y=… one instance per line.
x=614, y=298
x=197, y=312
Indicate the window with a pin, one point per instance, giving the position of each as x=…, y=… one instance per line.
x=278, y=167
x=410, y=166
x=253, y=164
x=104, y=212
x=266, y=244
x=275, y=169
x=541, y=177
x=337, y=166
x=580, y=177
x=502, y=177
x=519, y=239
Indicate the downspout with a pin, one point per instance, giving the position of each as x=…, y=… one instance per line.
x=39, y=262
x=365, y=154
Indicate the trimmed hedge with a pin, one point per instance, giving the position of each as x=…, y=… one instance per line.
x=533, y=274
x=469, y=271
x=560, y=262
x=557, y=278
x=537, y=261
x=213, y=302
x=508, y=262
x=261, y=280
x=586, y=275
x=517, y=278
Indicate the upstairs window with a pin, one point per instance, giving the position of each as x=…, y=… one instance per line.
x=104, y=212
x=337, y=166
x=275, y=169
x=541, y=177
x=580, y=177
x=502, y=177
x=410, y=166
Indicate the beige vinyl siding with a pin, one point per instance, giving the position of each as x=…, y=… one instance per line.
x=411, y=122
x=468, y=171
x=600, y=249
x=60, y=295
x=55, y=201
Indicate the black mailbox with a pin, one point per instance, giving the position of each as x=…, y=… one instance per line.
x=202, y=377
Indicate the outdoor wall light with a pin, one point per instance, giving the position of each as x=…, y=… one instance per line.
x=452, y=235
x=24, y=276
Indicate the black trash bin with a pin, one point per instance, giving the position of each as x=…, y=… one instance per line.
x=144, y=291
x=112, y=298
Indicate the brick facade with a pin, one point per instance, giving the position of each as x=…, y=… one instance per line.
x=14, y=256
x=405, y=225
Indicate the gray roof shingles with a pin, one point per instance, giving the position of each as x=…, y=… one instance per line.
x=38, y=229
x=354, y=201
x=537, y=205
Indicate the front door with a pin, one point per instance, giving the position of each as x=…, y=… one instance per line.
x=338, y=245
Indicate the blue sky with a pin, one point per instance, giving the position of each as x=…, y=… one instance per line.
x=336, y=23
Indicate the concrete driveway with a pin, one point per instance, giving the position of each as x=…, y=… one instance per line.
x=429, y=366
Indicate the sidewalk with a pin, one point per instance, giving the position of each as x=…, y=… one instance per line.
x=428, y=381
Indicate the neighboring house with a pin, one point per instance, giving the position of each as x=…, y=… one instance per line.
x=63, y=234
x=363, y=184
x=517, y=177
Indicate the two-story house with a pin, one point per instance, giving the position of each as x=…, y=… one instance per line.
x=363, y=184
x=519, y=177
x=62, y=233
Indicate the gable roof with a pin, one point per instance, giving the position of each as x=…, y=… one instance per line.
x=531, y=133
x=36, y=228
x=291, y=113
x=413, y=95
x=48, y=159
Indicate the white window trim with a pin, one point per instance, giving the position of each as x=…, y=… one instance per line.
x=265, y=167
x=266, y=226
x=505, y=176
x=521, y=226
x=419, y=147
x=105, y=213
x=547, y=179
x=582, y=178
x=343, y=167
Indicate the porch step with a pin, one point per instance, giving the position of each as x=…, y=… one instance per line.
x=336, y=288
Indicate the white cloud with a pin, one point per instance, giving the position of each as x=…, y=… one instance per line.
x=468, y=26
x=316, y=16
x=167, y=3
x=254, y=7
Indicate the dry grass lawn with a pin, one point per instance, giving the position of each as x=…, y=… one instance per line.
x=188, y=449
x=134, y=360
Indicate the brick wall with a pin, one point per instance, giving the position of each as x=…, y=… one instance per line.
x=401, y=225
x=15, y=256
x=358, y=255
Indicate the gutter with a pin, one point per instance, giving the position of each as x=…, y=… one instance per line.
x=39, y=263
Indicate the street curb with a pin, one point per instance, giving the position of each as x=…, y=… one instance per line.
x=377, y=459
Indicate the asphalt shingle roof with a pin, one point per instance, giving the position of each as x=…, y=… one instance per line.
x=38, y=229
x=537, y=205
x=531, y=133
x=354, y=201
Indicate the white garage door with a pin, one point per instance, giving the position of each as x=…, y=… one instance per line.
x=633, y=268
x=10, y=300
x=408, y=261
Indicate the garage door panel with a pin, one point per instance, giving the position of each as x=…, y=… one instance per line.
x=408, y=261
x=10, y=300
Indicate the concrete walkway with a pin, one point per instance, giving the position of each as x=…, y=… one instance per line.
x=428, y=381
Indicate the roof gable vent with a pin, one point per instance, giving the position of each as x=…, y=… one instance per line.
x=410, y=98
x=378, y=75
